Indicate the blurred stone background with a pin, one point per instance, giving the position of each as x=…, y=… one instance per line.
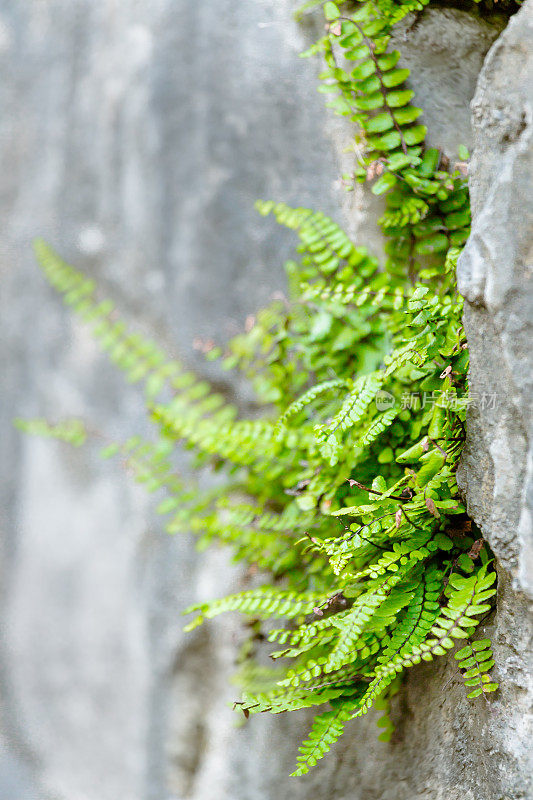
x=135, y=136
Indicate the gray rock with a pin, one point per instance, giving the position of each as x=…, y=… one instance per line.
x=137, y=136
x=444, y=48
x=495, y=277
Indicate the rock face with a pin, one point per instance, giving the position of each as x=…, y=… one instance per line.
x=495, y=275
x=136, y=137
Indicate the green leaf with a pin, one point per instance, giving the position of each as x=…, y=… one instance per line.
x=369, y=85
x=379, y=123
x=404, y=116
x=481, y=644
x=363, y=70
x=415, y=135
x=379, y=484
x=369, y=102
x=389, y=141
x=464, y=652
x=465, y=562
x=389, y=60
x=443, y=541
x=458, y=219
x=384, y=183
x=331, y=11
x=395, y=77
x=437, y=243
x=399, y=98
x=398, y=161
x=431, y=466
x=429, y=162
x=413, y=453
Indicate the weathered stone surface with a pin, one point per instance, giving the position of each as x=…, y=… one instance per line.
x=495, y=275
x=138, y=135
x=135, y=137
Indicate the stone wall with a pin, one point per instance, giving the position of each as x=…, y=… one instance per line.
x=495, y=275
x=135, y=137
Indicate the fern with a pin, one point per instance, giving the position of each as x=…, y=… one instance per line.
x=306, y=399
x=476, y=660
x=72, y=431
x=457, y=619
x=265, y=601
x=138, y=357
x=327, y=728
x=344, y=490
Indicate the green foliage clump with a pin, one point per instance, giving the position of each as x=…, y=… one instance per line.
x=344, y=491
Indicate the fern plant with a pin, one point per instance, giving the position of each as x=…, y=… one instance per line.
x=344, y=492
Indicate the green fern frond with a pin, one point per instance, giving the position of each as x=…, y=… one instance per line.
x=327, y=729
x=259, y=602
x=475, y=661
x=140, y=358
x=72, y=431
x=306, y=399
